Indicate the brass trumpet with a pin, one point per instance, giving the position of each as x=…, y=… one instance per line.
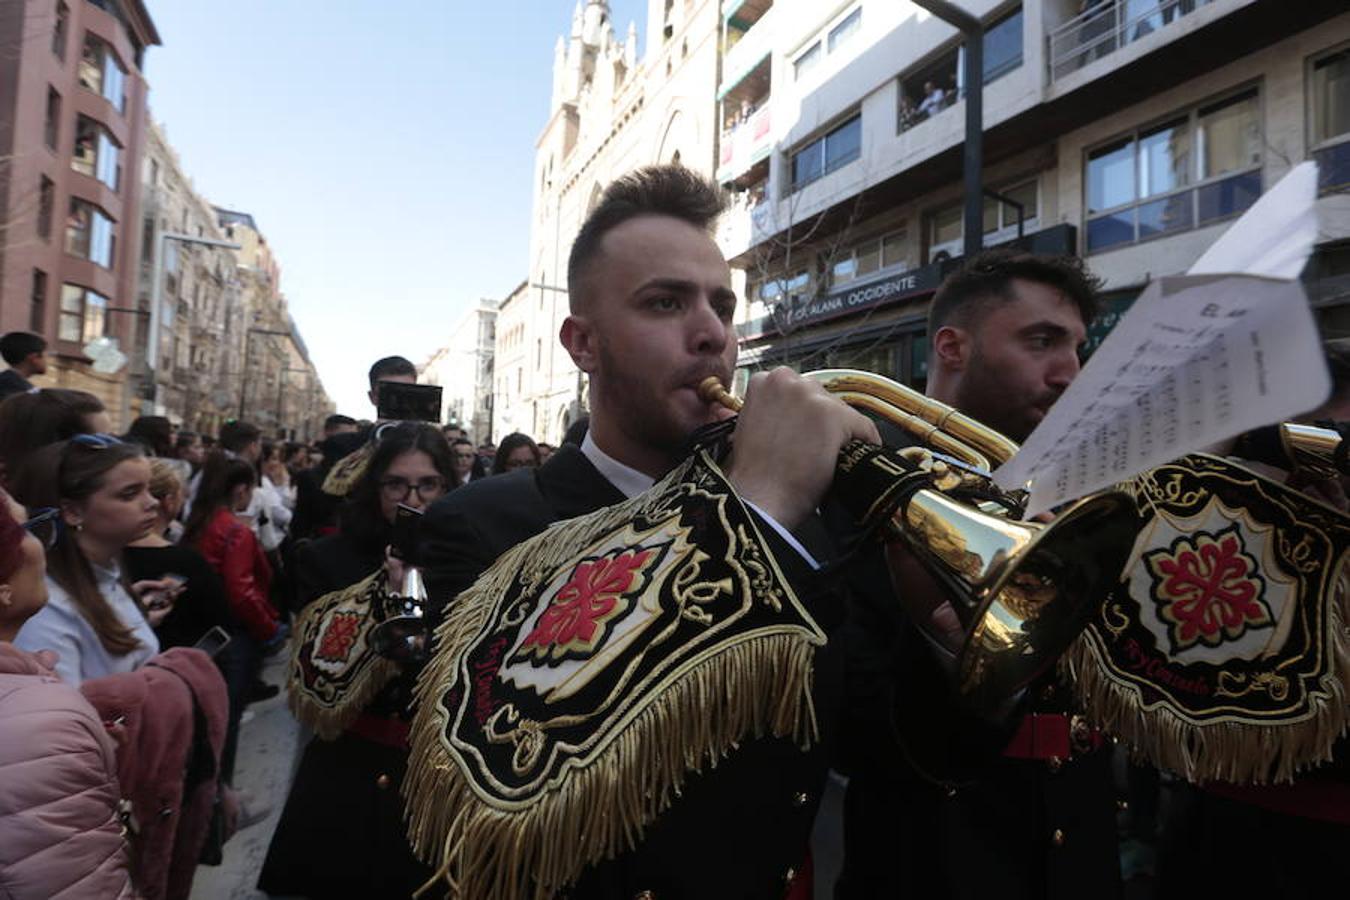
x=1022, y=591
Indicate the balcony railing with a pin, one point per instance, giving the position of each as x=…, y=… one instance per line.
x=747, y=53
x=1109, y=25
x=745, y=144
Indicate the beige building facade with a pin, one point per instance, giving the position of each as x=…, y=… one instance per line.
x=611, y=112
x=1130, y=133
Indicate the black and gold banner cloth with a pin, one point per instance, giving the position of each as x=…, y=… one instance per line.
x=334, y=672
x=1223, y=654
x=586, y=674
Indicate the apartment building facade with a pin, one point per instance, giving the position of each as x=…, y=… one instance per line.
x=1129, y=132
x=72, y=132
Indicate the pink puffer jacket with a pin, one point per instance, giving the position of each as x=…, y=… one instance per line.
x=60, y=835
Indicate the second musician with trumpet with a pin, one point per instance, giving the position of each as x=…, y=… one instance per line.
x=941, y=803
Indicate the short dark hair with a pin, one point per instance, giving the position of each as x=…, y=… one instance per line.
x=668, y=190
x=337, y=420
x=968, y=293
x=17, y=346
x=236, y=435
x=1337, y=352
x=390, y=365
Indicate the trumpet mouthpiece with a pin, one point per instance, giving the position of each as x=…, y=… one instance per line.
x=711, y=390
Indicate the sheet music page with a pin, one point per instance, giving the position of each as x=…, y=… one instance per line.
x=1198, y=359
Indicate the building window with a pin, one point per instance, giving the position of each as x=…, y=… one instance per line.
x=89, y=233
x=46, y=207
x=840, y=146
x=946, y=226
x=1197, y=168
x=932, y=87
x=846, y=28
x=100, y=72
x=51, y=128
x=83, y=314
x=884, y=253
x=60, y=28
x=96, y=153
x=1002, y=47
x=807, y=61
x=1330, y=119
x=779, y=292
x=37, y=309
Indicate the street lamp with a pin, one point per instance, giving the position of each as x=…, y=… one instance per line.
x=156, y=296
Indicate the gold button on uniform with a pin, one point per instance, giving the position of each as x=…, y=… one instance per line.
x=644, y=895
x=1054, y=763
x=382, y=782
x=801, y=798
x=1057, y=838
x=789, y=875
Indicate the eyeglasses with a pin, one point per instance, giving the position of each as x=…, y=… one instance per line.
x=95, y=441
x=398, y=489
x=45, y=526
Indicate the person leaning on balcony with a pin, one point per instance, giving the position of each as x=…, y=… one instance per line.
x=933, y=100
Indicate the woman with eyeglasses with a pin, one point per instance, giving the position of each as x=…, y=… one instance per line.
x=93, y=618
x=341, y=834
x=60, y=833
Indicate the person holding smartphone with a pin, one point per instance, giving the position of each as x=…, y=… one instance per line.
x=327, y=836
x=96, y=621
x=199, y=601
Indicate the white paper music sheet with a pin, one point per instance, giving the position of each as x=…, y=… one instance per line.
x=1198, y=359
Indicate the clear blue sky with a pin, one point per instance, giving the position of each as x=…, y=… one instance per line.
x=386, y=150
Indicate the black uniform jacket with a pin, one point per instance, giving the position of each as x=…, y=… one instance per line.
x=739, y=830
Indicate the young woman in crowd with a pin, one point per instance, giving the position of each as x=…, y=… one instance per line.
x=93, y=619
x=341, y=834
x=32, y=420
x=516, y=451
x=202, y=603
x=60, y=834
x=216, y=530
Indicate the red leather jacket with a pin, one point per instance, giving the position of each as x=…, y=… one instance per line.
x=232, y=550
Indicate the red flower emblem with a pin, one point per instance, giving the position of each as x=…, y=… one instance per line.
x=339, y=637
x=575, y=620
x=1208, y=588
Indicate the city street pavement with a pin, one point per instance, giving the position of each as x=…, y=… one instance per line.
x=270, y=741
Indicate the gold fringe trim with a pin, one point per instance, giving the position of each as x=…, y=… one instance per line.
x=1236, y=752
x=348, y=470
x=329, y=720
x=759, y=686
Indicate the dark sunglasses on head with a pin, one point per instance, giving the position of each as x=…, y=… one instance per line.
x=45, y=526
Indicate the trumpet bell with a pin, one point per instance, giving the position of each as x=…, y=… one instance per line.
x=1022, y=591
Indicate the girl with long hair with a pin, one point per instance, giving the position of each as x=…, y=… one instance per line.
x=93, y=619
x=216, y=530
x=344, y=804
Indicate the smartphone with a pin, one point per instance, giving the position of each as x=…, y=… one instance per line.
x=213, y=641
x=403, y=537
x=401, y=402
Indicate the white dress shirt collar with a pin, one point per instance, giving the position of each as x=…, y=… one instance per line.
x=628, y=480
